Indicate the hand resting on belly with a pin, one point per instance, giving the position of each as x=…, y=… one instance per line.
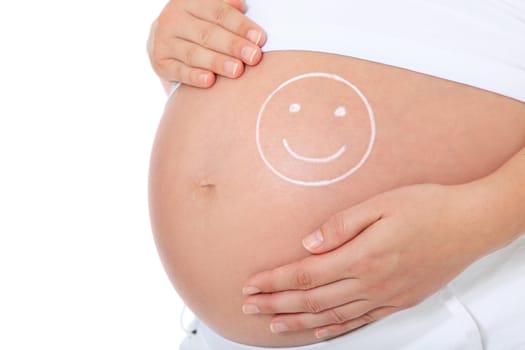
x=238, y=176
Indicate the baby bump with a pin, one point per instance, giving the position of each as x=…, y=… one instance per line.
x=241, y=172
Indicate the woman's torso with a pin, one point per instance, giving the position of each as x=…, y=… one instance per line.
x=234, y=186
x=220, y=214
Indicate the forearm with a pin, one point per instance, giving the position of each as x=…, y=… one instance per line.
x=498, y=203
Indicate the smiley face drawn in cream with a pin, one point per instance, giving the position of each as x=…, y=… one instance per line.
x=347, y=136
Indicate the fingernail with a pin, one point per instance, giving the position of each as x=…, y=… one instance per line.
x=248, y=54
x=250, y=290
x=250, y=309
x=314, y=240
x=254, y=36
x=278, y=327
x=231, y=67
x=322, y=333
x=243, y=4
x=204, y=79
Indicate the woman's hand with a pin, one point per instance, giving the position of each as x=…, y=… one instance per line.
x=192, y=40
x=384, y=255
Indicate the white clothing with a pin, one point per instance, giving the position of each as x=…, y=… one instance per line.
x=476, y=42
x=482, y=308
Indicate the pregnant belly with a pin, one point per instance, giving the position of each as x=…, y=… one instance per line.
x=241, y=172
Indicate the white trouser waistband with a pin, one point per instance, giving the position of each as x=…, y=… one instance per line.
x=483, y=308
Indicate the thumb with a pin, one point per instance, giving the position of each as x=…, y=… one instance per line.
x=341, y=228
x=238, y=4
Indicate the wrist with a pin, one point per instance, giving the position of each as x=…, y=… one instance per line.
x=494, y=206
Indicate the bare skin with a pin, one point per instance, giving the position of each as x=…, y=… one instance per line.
x=362, y=267
x=192, y=41
x=220, y=216
x=368, y=232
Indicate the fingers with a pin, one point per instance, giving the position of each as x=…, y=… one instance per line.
x=178, y=71
x=306, y=274
x=218, y=39
x=349, y=317
x=339, y=315
x=192, y=40
x=238, y=4
x=227, y=17
x=341, y=228
x=335, y=330
x=199, y=57
x=312, y=301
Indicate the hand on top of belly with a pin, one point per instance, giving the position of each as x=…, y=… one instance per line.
x=381, y=256
x=192, y=40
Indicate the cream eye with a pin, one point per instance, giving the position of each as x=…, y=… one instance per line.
x=294, y=108
x=340, y=112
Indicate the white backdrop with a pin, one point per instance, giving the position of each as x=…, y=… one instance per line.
x=79, y=106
